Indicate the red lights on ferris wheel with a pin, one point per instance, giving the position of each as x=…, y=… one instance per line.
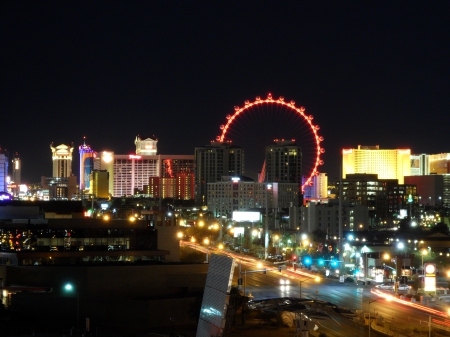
x=300, y=111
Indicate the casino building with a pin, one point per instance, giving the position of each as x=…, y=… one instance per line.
x=131, y=174
x=386, y=163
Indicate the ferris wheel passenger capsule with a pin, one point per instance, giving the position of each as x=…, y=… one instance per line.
x=322, y=150
x=228, y=116
x=302, y=109
x=292, y=103
x=281, y=98
x=222, y=127
x=236, y=108
x=258, y=98
x=310, y=117
x=321, y=162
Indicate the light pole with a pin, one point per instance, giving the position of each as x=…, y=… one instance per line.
x=424, y=252
x=266, y=225
x=252, y=271
x=370, y=322
x=317, y=279
x=69, y=287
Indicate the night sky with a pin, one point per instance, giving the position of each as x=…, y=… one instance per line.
x=371, y=72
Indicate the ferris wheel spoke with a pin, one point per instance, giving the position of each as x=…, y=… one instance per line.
x=257, y=124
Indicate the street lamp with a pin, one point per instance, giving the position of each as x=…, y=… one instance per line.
x=317, y=279
x=370, y=322
x=70, y=288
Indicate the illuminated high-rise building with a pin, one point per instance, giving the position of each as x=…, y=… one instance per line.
x=131, y=172
x=283, y=162
x=420, y=164
x=87, y=160
x=99, y=183
x=439, y=163
x=146, y=147
x=3, y=170
x=185, y=186
x=16, y=169
x=318, y=189
x=212, y=162
x=388, y=164
x=181, y=187
x=62, y=160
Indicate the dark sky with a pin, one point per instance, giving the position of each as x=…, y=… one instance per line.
x=371, y=72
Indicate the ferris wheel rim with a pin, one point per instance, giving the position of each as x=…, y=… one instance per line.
x=291, y=105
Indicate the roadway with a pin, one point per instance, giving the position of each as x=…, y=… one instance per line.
x=400, y=314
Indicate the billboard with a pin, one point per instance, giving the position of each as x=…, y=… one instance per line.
x=246, y=216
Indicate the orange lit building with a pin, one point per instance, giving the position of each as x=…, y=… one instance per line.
x=387, y=164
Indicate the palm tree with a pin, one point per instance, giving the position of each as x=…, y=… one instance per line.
x=237, y=301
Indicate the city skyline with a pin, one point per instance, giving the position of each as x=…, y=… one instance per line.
x=371, y=74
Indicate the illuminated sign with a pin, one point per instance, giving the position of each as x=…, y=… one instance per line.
x=235, y=179
x=134, y=156
x=404, y=151
x=347, y=151
x=246, y=216
x=5, y=196
x=430, y=277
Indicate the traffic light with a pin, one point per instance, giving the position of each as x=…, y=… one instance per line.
x=321, y=262
x=334, y=263
x=307, y=261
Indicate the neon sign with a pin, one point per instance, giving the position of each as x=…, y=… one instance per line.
x=133, y=156
x=4, y=196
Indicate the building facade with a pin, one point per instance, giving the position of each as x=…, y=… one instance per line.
x=420, y=164
x=387, y=164
x=3, y=171
x=130, y=173
x=146, y=147
x=87, y=159
x=439, y=163
x=16, y=169
x=233, y=194
x=430, y=189
x=99, y=183
x=180, y=187
x=318, y=189
x=214, y=161
x=283, y=162
x=384, y=198
x=325, y=217
x=62, y=160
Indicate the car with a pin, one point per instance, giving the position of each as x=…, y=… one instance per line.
x=386, y=286
x=403, y=287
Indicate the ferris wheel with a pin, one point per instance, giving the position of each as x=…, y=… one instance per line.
x=258, y=123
